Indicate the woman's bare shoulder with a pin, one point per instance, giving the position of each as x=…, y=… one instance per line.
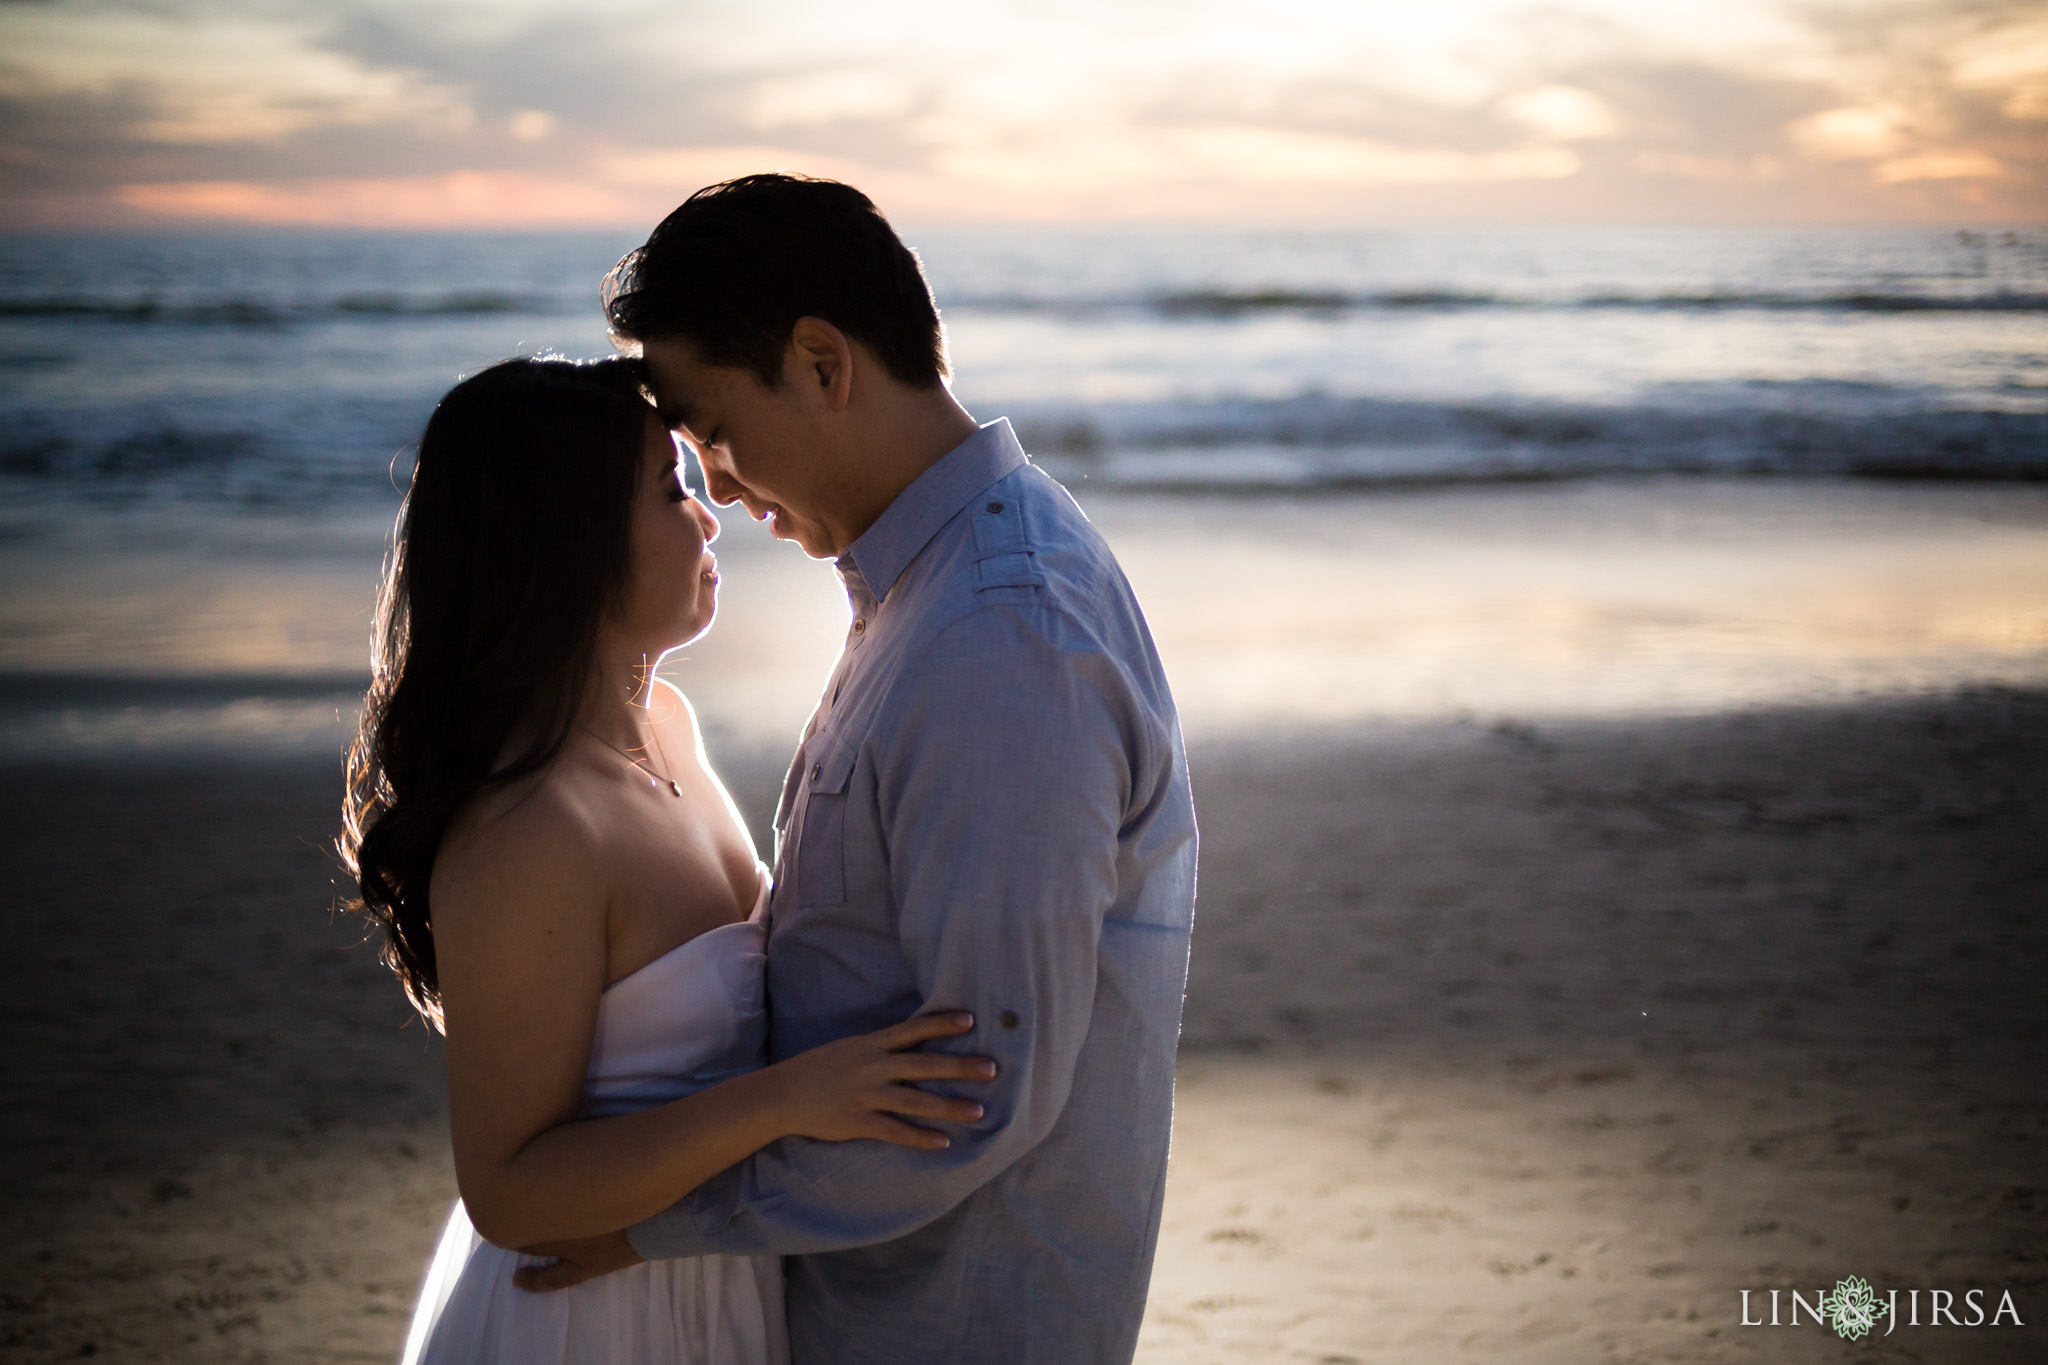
x=538, y=834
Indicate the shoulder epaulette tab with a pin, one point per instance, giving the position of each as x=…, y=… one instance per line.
x=1002, y=549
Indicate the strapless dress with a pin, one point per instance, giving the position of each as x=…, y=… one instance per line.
x=685, y=1021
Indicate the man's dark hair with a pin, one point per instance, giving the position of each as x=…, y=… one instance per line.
x=736, y=266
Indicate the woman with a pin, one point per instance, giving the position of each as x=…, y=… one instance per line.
x=566, y=889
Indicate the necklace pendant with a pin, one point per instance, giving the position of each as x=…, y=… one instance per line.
x=673, y=789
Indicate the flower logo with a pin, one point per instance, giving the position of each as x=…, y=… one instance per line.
x=1853, y=1309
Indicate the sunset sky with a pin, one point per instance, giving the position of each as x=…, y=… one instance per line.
x=487, y=113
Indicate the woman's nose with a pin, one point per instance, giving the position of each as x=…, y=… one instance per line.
x=707, y=519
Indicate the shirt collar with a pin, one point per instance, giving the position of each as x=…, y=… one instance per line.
x=908, y=524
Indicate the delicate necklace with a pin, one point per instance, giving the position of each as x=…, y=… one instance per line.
x=653, y=778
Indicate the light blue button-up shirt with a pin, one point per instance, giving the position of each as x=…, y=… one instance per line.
x=989, y=812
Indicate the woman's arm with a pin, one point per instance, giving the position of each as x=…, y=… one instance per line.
x=519, y=929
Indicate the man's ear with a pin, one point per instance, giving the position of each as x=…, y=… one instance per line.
x=822, y=360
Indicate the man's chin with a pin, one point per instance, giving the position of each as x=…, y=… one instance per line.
x=811, y=540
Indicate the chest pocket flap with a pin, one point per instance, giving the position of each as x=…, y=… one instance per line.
x=821, y=841
x=831, y=764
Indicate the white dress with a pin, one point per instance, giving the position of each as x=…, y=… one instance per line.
x=685, y=1021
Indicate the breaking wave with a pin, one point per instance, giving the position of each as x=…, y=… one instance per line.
x=243, y=312
x=1197, y=304
x=1310, y=441
x=1317, y=442
x=1213, y=303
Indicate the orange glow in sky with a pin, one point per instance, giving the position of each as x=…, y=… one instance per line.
x=489, y=113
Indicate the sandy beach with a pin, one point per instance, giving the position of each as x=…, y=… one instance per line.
x=1503, y=1042
x=1613, y=897
x=1541, y=1043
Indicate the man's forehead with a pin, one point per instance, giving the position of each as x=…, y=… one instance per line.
x=672, y=377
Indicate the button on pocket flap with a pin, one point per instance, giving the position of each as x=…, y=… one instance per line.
x=831, y=764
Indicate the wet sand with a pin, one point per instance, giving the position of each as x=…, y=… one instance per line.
x=1279, y=614
x=1531, y=1041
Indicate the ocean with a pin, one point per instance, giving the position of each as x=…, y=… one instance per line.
x=264, y=369
x=202, y=436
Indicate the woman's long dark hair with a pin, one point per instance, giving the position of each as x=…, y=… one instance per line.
x=511, y=548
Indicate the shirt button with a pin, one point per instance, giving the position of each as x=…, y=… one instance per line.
x=859, y=625
x=1008, y=1019
x=994, y=508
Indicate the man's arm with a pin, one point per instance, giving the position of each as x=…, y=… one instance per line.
x=1002, y=789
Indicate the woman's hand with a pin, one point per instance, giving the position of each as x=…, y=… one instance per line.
x=850, y=1088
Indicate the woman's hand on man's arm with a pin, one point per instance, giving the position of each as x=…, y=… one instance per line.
x=852, y=1088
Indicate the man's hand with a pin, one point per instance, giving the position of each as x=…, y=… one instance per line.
x=577, y=1261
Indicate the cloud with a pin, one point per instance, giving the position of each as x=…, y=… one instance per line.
x=530, y=125
x=209, y=78
x=1950, y=103
x=1230, y=154
x=824, y=97
x=1938, y=166
x=1564, y=113
x=2009, y=59
x=458, y=199
x=263, y=110
x=1850, y=134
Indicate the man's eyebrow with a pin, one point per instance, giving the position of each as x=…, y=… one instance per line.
x=675, y=415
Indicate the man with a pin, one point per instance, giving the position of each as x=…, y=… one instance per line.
x=989, y=810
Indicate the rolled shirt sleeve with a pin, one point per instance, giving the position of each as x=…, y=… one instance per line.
x=1002, y=768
